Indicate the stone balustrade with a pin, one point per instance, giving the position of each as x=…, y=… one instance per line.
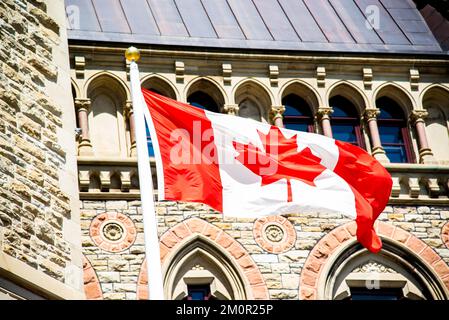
x=412, y=183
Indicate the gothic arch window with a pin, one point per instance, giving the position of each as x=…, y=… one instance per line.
x=199, y=271
x=202, y=100
x=159, y=86
x=393, y=130
x=204, y=94
x=253, y=100
x=391, y=274
x=345, y=121
x=106, y=121
x=249, y=108
x=436, y=101
x=297, y=114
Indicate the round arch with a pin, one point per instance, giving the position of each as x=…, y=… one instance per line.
x=303, y=90
x=160, y=84
x=398, y=94
x=340, y=244
x=185, y=234
x=350, y=92
x=208, y=86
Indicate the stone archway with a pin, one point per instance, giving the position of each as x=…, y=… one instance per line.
x=173, y=239
x=92, y=287
x=340, y=237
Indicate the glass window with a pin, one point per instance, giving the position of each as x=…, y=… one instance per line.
x=393, y=131
x=202, y=100
x=199, y=292
x=297, y=115
x=345, y=121
x=376, y=294
x=149, y=142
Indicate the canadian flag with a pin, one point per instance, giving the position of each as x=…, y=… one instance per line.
x=246, y=168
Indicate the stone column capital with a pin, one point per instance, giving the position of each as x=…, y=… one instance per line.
x=277, y=111
x=324, y=113
x=418, y=116
x=128, y=109
x=82, y=104
x=232, y=109
x=371, y=114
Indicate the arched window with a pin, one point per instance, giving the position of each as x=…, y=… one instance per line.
x=345, y=121
x=391, y=274
x=393, y=131
x=202, y=100
x=200, y=271
x=297, y=115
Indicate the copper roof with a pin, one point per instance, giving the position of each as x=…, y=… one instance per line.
x=315, y=25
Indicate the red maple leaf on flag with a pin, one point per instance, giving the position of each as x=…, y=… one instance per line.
x=279, y=160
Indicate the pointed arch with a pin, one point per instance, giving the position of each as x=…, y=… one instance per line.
x=254, y=95
x=110, y=78
x=303, y=90
x=92, y=288
x=435, y=100
x=160, y=84
x=198, y=233
x=209, y=87
x=350, y=92
x=338, y=245
x=397, y=93
x=75, y=89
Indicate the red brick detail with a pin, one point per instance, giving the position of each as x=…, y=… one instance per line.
x=445, y=234
x=319, y=256
x=92, y=288
x=289, y=234
x=127, y=239
x=173, y=239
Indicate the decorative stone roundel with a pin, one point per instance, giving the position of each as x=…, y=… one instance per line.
x=445, y=234
x=113, y=231
x=274, y=234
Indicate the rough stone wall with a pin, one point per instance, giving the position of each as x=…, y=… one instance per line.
x=36, y=145
x=117, y=270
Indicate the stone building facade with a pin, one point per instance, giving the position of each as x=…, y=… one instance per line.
x=40, y=243
x=295, y=256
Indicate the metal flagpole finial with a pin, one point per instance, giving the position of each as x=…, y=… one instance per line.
x=132, y=54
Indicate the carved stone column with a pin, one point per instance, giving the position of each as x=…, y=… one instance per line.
x=377, y=150
x=232, y=109
x=323, y=116
x=128, y=112
x=82, y=109
x=277, y=112
x=425, y=153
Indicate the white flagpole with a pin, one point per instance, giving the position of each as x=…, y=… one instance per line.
x=152, y=251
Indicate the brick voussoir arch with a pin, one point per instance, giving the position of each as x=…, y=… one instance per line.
x=92, y=288
x=173, y=239
x=345, y=234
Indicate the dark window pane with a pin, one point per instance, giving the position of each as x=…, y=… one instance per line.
x=202, y=100
x=396, y=154
x=342, y=107
x=390, y=134
x=296, y=106
x=344, y=132
x=149, y=142
x=304, y=127
x=376, y=294
x=389, y=109
x=198, y=292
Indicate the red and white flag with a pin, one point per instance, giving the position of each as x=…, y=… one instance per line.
x=246, y=168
